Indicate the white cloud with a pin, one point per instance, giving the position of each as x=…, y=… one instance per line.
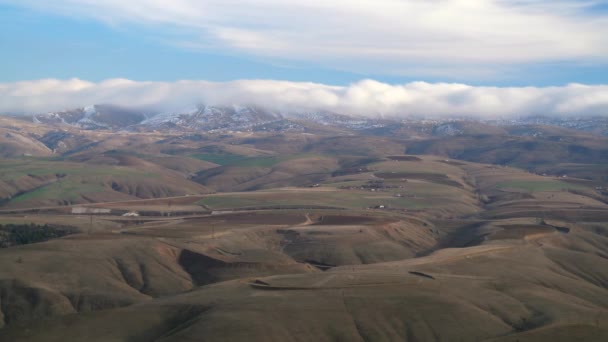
x=367, y=97
x=373, y=36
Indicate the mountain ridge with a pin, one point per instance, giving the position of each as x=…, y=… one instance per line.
x=244, y=118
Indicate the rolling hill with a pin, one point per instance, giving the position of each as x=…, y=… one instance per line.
x=479, y=233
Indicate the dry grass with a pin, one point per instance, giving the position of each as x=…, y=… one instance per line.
x=505, y=255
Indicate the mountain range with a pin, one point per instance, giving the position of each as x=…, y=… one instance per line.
x=242, y=118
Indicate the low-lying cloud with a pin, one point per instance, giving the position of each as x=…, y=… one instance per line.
x=364, y=98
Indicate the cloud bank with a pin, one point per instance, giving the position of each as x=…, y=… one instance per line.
x=364, y=98
x=474, y=38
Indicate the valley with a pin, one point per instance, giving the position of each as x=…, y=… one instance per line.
x=330, y=232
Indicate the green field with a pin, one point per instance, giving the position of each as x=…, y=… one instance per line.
x=14, y=169
x=243, y=161
x=60, y=190
x=63, y=180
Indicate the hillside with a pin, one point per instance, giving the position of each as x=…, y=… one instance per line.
x=325, y=236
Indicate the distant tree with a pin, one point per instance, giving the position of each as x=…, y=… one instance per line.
x=23, y=234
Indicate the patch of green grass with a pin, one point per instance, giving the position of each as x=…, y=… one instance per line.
x=65, y=181
x=243, y=161
x=220, y=159
x=537, y=186
x=10, y=170
x=61, y=190
x=237, y=160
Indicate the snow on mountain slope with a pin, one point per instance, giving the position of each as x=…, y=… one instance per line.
x=207, y=118
x=93, y=117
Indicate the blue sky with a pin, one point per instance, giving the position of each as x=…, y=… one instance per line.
x=40, y=45
x=74, y=39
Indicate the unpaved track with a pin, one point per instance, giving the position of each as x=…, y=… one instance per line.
x=9, y=211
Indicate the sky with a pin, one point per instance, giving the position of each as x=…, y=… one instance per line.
x=511, y=45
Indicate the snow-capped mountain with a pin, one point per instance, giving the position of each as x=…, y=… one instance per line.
x=203, y=118
x=93, y=117
x=212, y=118
x=233, y=118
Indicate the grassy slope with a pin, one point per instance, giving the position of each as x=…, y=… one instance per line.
x=507, y=290
x=42, y=182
